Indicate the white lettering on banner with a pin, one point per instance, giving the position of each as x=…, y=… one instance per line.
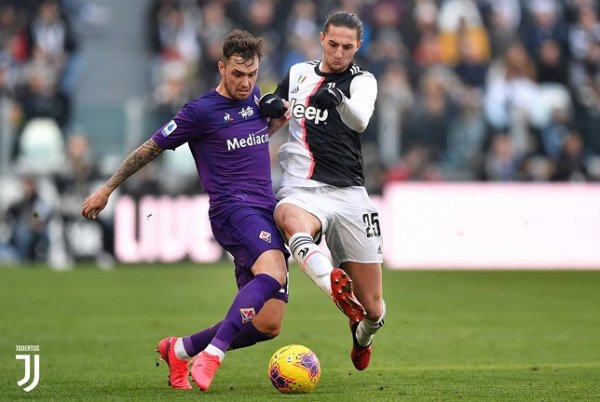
x=170, y=229
x=441, y=226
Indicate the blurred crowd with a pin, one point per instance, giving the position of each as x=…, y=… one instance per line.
x=487, y=90
x=496, y=90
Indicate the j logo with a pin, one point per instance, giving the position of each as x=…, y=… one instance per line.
x=27, y=358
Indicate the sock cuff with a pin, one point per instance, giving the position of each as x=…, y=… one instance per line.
x=268, y=280
x=181, y=349
x=381, y=320
x=300, y=239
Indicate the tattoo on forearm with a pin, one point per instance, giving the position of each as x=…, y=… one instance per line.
x=136, y=160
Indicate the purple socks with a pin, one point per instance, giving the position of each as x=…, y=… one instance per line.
x=236, y=330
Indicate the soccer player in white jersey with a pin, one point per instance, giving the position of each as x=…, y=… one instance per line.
x=322, y=192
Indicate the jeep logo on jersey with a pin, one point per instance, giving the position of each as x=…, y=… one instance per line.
x=300, y=111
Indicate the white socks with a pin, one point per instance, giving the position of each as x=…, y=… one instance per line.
x=366, y=328
x=312, y=261
x=213, y=350
x=180, y=351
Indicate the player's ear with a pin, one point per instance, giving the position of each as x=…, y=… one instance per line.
x=221, y=67
x=358, y=43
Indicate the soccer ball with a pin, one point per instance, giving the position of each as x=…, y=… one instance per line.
x=294, y=369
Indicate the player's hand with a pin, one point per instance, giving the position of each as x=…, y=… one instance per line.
x=327, y=98
x=95, y=203
x=272, y=106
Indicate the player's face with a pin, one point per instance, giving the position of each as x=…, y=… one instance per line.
x=238, y=77
x=339, y=46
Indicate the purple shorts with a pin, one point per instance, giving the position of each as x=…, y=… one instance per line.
x=246, y=233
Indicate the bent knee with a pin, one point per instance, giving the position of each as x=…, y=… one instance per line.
x=374, y=308
x=270, y=329
x=279, y=276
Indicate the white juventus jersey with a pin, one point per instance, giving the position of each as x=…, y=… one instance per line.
x=324, y=146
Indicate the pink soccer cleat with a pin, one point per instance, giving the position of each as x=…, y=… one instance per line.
x=360, y=355
x=178, y=369
x=343, y=297
x=204, y=369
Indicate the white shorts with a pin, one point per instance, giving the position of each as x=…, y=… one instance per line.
x=349, y=220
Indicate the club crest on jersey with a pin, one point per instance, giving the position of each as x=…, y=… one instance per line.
x=247, y=314
x=300, y=111
x=246, y=112
x=299, y=81
x=227, y=117
x=266, y=236
x=169, y=128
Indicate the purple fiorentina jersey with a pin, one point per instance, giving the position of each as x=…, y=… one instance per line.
x=229, y=140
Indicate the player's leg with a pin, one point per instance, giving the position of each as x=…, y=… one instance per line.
x=268, y=279
x=265, y=326
x=355, y=238
x=300, y=228
x=367, y=281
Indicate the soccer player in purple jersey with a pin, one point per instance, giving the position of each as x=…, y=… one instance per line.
x=229, y=140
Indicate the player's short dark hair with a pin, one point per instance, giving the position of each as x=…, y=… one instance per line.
x=242, y=43
x=344, y=19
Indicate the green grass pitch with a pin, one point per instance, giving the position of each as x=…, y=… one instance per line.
x=449, y=336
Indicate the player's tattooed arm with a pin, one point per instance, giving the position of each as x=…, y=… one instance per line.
x=136, y=160
x=144, y=154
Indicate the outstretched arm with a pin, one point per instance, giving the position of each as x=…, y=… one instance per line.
x=136, y=160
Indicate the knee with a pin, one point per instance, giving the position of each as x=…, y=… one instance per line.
x=271, y=329
x=289, y=225
x=375, y=308
x=280, y=276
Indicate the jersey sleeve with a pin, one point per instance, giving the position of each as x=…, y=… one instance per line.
x=185, y=126
x=283, y=88
x=357, y=109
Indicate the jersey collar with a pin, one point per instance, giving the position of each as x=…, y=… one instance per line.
x=322, y=74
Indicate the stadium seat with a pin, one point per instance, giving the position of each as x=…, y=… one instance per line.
x=41, y=147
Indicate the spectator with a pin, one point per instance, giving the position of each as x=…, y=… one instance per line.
x=51, y=39
x=461, y=26
x=416, y=165
x=501, y=162
x=510, y=92
x=29, y=219
x=84, y=240
x=504, y=20
x=570, y=163
x=427, y=124
x=466, y=138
